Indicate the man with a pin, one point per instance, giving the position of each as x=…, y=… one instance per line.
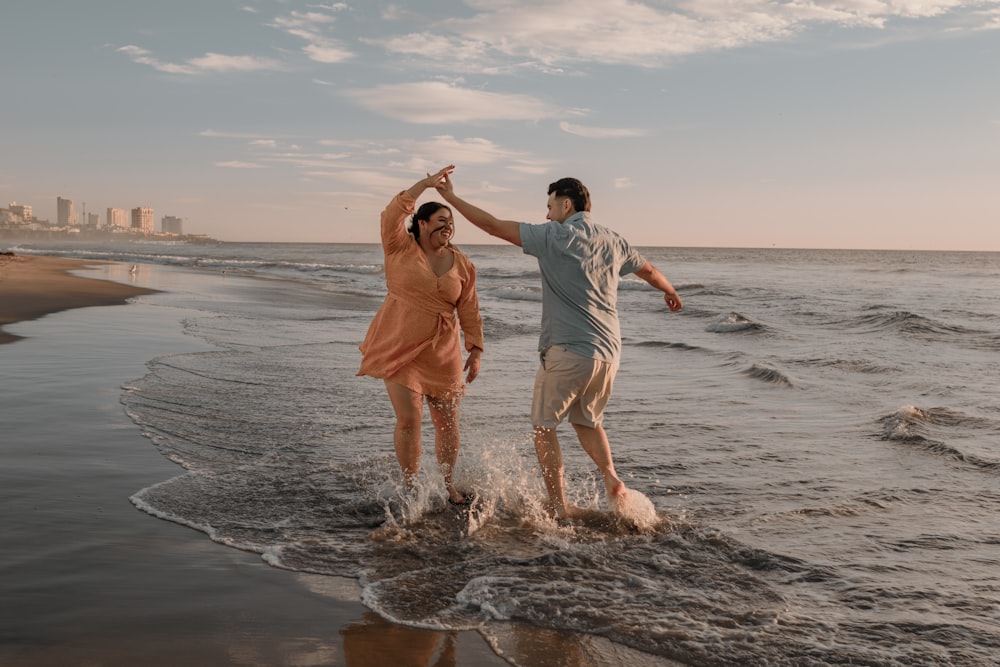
x=580, y=343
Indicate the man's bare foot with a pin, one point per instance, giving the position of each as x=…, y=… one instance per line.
x=617, y=495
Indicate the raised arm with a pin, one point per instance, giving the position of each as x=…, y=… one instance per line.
x=508, y=230
x=431, y=181
x=654, y=277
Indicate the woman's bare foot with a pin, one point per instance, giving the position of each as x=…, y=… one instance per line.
x=461, y=499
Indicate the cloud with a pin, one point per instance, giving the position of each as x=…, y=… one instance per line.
x=432, y=102
x=327, y=53
x=217, y=62
x=308, y=26
x=553, y=32
x=486, y=186
x=236, y=164
x=464, y=54
x=309, y=160
x=990, y=19
x=600, y=132
x=376, y=181
x=530, y=169
x=209, y=63
x=549, y=34
x=624, y=183
x=448, y=149
x=248, y=136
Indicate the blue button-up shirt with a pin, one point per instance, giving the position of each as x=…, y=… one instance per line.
x=581, y=263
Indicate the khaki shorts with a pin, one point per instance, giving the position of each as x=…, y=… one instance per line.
x=571, y=384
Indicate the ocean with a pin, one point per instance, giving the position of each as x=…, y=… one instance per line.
x=819, y=431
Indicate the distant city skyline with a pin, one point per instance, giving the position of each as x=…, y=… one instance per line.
x=140, y=218
x=763, y=123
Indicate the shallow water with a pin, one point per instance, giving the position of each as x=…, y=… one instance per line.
x=818, y=431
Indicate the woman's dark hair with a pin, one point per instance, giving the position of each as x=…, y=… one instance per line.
x=574, y=189
x=424, y=213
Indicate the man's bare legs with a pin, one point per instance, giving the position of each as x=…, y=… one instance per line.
x=594, y=441
x=550, y=460
x=444, y=415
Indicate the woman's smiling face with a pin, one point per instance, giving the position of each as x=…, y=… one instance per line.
x=440, y=227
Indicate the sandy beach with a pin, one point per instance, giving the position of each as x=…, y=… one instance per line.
x=85, y=577
x=33, y=286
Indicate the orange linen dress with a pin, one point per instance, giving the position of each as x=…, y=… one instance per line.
x=414, y=338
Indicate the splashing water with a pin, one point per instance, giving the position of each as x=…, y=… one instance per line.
x=636, y=510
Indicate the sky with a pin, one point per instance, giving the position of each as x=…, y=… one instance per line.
x=713, y=123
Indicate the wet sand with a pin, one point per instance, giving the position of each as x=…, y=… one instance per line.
x=85, y=577
x=33, y=286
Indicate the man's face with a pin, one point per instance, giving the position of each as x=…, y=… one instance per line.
x=559, y=208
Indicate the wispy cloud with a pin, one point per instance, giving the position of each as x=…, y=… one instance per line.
x=433, y=102
x=624, y=183
x=210, y=63
x=990, y=19
x=309, y=26
x=246, y=136
x=237, y=164
x=487, y=186
x=474, y=150
x=552, y=33
x=377, y=181
x=600, y=132
x=372, y=163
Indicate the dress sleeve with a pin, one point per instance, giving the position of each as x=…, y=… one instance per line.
x=394, y=234
x=468, y=310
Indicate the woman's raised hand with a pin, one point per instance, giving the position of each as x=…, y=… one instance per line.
x=434, y=180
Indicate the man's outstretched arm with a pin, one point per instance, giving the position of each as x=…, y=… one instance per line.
x=508, y=230
x=654, y=277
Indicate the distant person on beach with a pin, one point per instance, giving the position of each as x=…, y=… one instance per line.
x=413, y=342
x=580, y=343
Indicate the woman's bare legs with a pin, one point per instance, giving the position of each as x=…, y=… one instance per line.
x=444, y=415
x=409, y=407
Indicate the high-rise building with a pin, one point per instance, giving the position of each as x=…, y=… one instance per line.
x=65, y=215
x=172, y=225
x=23, y=210
x=142, y=220
x=117, y=219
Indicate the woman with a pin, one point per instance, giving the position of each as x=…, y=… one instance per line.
x=413, y=342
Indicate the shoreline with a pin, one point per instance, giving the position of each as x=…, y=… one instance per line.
x=86, y=577
x=33, y=286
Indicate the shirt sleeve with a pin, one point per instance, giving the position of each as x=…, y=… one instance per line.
x=633, y=261
x=533, y=239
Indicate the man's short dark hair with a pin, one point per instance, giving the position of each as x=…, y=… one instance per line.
x=574, y=189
